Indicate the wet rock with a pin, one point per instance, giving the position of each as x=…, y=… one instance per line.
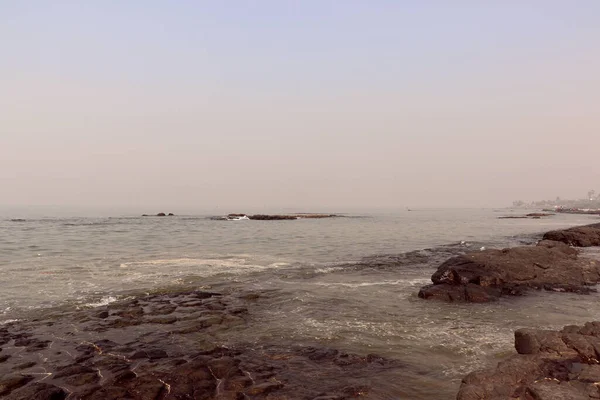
x=580, y=236
x=152, y=354
x=101, y=314
x=263, y=388
x=128, y=356
x=40, y=391
x=486, y=275
x=549, y=365
x=12, y=382
x=161, y=214
x=162, y=320
x=552, y=244
x=25, y=365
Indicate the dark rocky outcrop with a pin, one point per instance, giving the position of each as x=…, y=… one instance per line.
x=263, y=217
x=550, y=365
x=536, y=215
x=486, y=275
x=579, y=236
x=275, y=217
x=566, y=210
x=167, y=346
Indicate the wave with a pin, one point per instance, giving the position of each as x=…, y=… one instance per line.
x=104, y=301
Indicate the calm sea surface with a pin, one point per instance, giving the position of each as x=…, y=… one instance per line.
x=348, y=283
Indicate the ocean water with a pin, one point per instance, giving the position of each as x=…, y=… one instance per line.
x=350, y=283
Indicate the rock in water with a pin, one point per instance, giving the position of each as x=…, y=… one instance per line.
x=166, y=346
x=579, y=236
x=486, y=275
x=550, y=365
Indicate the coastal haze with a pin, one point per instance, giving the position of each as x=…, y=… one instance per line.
x=312, y=106
x=250, y=199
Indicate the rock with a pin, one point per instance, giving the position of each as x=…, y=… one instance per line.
x=12, y=382
x=102, y=314
x=152, y=354
x=530, y=215
x=550, y=365
x=161, y=215
x=171, y=215
x=580, y=236
x=264, y=388
x=276, y=217
x=486, y=275
x=565, y=248
x=126, y=355
x=40, y=391
x=262, y=217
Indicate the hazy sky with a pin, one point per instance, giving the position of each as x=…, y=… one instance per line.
x=309, y=104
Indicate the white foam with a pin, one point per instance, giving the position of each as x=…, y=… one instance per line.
x=328, y=270
x=157, y=271
x=242, y=218
x=106, y=300
x=362, y=284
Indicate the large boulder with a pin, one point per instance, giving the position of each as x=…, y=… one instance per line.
x=485, y=275
x=580, y=236
x=549, y=365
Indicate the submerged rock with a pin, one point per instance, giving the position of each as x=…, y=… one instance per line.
x=549, y=365
x=486, y=275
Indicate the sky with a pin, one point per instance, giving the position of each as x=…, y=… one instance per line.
x=313, y=105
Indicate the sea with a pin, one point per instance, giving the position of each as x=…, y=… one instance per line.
x=348, y=283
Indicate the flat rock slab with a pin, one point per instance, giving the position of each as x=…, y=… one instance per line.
x=167, y=346
x=550, y=365
x=486, y=275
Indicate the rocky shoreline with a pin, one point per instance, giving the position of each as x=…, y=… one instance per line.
x=550, y=365
x=488, y=274
x=190, y=344
x=167, y=346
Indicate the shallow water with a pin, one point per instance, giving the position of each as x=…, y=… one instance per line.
x=317, y=289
